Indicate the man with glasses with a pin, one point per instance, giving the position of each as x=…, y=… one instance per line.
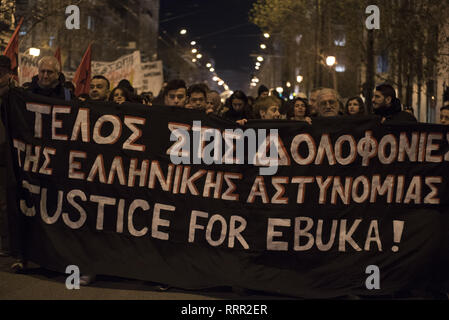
x=328, y=103
x=175, y=93
x=50, y=81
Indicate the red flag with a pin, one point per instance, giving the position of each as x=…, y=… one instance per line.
x=83, y=73
x=12, y=50
x=58, y=56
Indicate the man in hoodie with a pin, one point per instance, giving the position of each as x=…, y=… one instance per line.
x=50, y=81
x=387, y=106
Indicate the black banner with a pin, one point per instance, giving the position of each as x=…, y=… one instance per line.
x=163, y=194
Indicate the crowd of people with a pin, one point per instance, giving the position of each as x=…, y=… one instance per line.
x=322, y=102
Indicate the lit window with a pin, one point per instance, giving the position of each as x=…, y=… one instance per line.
x=341, y=41
x=340, y=68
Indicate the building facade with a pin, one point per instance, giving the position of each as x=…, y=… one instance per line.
x=114, y=28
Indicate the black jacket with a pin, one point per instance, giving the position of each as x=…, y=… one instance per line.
x=233, y=115
x=58, y=92
x=394, y=113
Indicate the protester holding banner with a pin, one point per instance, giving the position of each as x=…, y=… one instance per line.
x=99, y=88
x=268, y=108
x=175, y=93
x=197, y=96
x=299, y=110
x=214, y=104
x=238, y=108
x=49, y=81
x=344, y=198
x=355, y=106
x=389, y=107
x=328, y=103
x=444, y=115
x=121, y=95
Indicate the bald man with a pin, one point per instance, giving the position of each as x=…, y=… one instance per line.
x=49, y=81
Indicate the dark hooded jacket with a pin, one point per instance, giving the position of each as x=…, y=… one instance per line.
x=394, y=113
x=234, y=115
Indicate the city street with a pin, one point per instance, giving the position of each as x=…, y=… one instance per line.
x=41, y=284
x=242, y=151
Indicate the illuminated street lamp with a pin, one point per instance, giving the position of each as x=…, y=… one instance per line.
x=257, y=67
x=194, y=50
x=183, y=32
x=258, y=64
x=193, y=43
x=221, y=82
x=215, y=78
x=288, y=84
x=209, y=65
x=266, y=35
x=194, y=60
x=211, y=69
x=331, y=60
x=260, y=58
x=199, y=55
x=263, y=46
x=299, y=79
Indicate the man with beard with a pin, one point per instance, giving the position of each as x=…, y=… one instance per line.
x=387, y=106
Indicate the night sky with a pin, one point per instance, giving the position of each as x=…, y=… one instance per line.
x=221, y=29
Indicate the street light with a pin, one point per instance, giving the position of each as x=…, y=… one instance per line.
x=211, y=69
x=194, y=50
x=199, y=55
x=193, y=43
x=299, y=79
x=215, y=78
x=288, y=84
x=260, y=58
x=258, y=64
x=183, y=32
x=331, y=60
x=257, y=67
x=266, y=35
x=194, y=60
x=263, y=46
x=209, y=65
